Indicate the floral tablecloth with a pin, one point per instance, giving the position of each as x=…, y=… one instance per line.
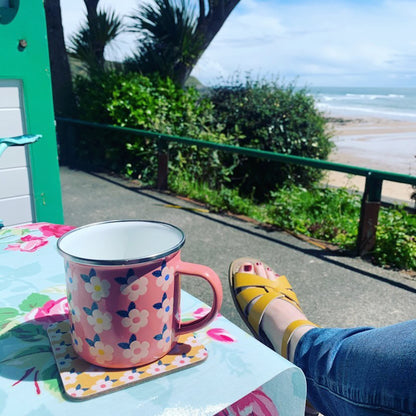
x=33, y=296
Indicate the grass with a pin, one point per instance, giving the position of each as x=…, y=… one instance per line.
x=329, y=214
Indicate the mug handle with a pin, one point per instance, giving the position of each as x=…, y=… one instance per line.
x=212, y=278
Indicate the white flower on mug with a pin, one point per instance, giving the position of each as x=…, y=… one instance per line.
x=165, y=280
x=100, y=321
x=135, y=320
x=164, y=308
x=164, y=339
x=71, y=282
x=164, y=276
x=98, y=288
x=165, y=312
x=156, y=368
x=132, y=286
x=135, y=350
x=76, y=342
x=102, y=353
x=75, y=313
x=181, y=360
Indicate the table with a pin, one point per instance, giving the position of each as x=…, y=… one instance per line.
x=32, y=296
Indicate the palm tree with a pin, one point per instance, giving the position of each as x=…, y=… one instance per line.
x=95, y=34
x=172, y=36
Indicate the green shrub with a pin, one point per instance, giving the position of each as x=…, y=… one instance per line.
x=267, y=116
x=396, y=241
x=154, y=104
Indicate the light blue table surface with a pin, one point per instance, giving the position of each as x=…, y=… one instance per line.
x=32, y=290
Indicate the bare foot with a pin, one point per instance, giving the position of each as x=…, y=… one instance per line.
x=279, y=313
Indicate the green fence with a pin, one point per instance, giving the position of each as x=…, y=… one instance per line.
x=371, y=199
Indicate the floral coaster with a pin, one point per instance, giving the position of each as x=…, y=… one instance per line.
x=83, y=380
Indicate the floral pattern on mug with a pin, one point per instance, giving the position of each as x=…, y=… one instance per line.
x=75, y=313
x=164, y=308
x=134, y=319
x=102, y=353
x=164, y=276
x=132, y=286
x=135, y=350
x=164, y=338
x=98, y=288
x=98, y=320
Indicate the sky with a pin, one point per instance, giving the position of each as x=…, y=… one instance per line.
x=363, y=43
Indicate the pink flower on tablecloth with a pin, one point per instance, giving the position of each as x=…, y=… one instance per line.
x=55, y=230
x=219, y=334
x=28, y=243
x=255, y=403
x=52, y=311
x=201, y=312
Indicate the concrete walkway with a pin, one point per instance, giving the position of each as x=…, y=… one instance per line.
x=333, y=290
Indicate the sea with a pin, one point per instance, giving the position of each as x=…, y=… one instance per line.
x=391, y=103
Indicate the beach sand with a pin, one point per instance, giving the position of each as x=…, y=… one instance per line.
x=376, y=143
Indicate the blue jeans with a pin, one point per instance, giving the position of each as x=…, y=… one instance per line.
x=361, y=371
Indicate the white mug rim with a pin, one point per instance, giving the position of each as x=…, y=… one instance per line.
x=120, y=262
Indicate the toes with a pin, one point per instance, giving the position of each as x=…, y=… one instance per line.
x=260, y=269
x=271, y=274
x=246, y=268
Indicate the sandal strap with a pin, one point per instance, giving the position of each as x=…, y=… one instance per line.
x=289, y=331
x=280, y=285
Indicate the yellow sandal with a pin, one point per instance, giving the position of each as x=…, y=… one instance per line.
x=246, y=287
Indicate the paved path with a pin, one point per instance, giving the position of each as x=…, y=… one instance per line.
x=333, y=290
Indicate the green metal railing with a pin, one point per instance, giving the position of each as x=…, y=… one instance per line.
x=371, y=199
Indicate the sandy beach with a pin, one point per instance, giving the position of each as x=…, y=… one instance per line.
x=376, y=143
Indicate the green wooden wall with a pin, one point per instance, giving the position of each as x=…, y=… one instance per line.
x=31, y=65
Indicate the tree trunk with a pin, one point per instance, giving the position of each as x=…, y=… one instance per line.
x=63, y=95
x=208, y=26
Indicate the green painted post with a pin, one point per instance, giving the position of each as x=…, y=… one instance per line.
x=24, y=53
x=163, y=159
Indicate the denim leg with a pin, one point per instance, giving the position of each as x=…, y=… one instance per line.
x=360, y=371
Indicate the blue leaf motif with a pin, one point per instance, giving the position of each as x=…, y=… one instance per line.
x=94, y=307
x=124, y=345
x=107, y=378
x=123, y=314
x=92, y=273
x=88, y=311
x=158, y=337
x=85, y=278
x=157, y=273
x=90, y=342
x=121, y=280
x=164, y=297
x=97, y=338
x=165, y=327
x=132, y=338
x=163, y=264
x=131, y=306
x=130, y=273
x=158, y=305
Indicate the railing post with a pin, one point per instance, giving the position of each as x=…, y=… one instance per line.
x=370, y=207
x=163, y=158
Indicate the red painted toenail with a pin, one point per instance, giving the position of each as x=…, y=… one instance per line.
x=247, y=267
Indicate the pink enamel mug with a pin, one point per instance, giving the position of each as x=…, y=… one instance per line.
x=123, y=287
